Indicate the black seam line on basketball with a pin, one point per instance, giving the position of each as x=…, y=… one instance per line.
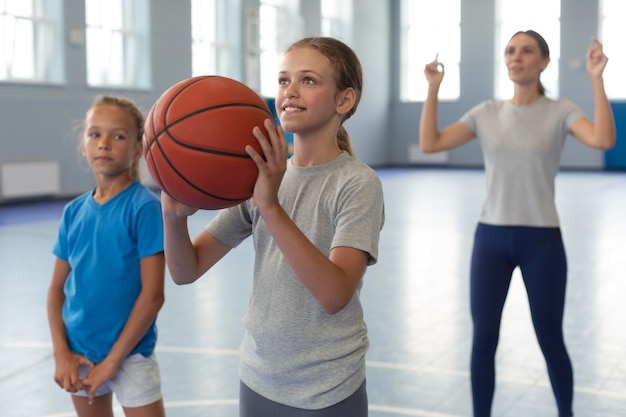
x=154, y=137
x=219, y=106
x=211, y=151
x=157, y=172
x=181, y=176
x=197, y=148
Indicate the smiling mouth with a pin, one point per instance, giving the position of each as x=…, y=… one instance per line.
x=291, y=109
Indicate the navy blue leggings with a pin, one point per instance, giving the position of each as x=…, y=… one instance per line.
x=540, y=255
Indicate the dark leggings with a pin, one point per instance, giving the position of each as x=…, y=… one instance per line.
x=252, y=404
x=540, y=255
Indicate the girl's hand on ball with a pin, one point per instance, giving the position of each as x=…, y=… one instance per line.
x=272, y=164
x=206, y=134
x=172, y=209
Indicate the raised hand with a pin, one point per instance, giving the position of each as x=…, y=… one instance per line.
x=434, y=72
x=596, y=60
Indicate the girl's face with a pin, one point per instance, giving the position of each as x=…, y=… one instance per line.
x=109, y=140
x=524, y=60
x=307, y=98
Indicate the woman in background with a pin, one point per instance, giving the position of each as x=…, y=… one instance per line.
x=522, y=139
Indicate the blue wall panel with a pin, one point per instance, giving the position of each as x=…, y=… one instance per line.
x=288, y=135
x=615, y=158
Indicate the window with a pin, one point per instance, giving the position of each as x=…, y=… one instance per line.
x=542, y=16
x=213, y=34
x=118, y=50
x=422, y=22
x=612, y=35
x=31, y=47
x=335, y=22
x=279, y=25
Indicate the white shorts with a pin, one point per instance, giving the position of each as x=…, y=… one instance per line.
x=137, y=383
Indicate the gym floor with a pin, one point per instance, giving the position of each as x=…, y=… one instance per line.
x=416, y=305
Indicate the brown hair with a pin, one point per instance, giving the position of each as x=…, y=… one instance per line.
x=135, y=114
x=348, y=74
x=543, y=48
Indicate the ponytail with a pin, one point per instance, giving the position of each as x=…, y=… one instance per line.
x=343, y=140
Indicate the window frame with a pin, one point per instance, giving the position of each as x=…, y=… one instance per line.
x=44, y=22
x=421, y=22
x=613, y=12
x=546, y=26
x=336, y=19
x=214, y=38
x=280, y=24
x=128, y=46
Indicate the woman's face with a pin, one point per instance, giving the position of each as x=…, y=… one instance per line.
x=524, y=60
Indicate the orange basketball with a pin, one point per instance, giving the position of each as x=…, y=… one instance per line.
x=195, y=138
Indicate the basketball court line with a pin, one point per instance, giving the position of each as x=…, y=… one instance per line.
x=370, y=364
x=234, y=402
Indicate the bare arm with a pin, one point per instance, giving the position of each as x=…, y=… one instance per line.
x=186, y=260
x=144, y=312
x=331, y=280
x=430, y=138
x=600, y=133
x=66, y=361
x=56, y=297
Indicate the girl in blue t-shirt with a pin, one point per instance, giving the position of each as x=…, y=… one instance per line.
x=108, y=278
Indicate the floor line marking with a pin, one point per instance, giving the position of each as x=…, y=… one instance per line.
x=374, y=364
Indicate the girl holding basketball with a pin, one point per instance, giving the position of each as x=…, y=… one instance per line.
x=315, y=219
x=522, y=140
x=108, y=277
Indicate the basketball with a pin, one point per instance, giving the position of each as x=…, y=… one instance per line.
x=194, y=141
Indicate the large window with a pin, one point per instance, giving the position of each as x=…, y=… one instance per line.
x=118, y=48
x=612, y=35
x=429, y=29
x=280, y=24
x=214, y=35
x=542, y=16
x=31, y=47
x=336, y=18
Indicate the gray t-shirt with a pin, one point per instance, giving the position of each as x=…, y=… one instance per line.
x=293, y=352
x=522, y=148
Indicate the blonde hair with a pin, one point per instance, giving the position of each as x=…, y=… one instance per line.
x=348, y=74
x=136, y=116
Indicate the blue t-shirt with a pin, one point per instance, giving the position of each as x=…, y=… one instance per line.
x=104, y=245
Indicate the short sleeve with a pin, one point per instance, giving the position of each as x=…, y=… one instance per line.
x=149, y=229
x=361, y=217
x=232, y=225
